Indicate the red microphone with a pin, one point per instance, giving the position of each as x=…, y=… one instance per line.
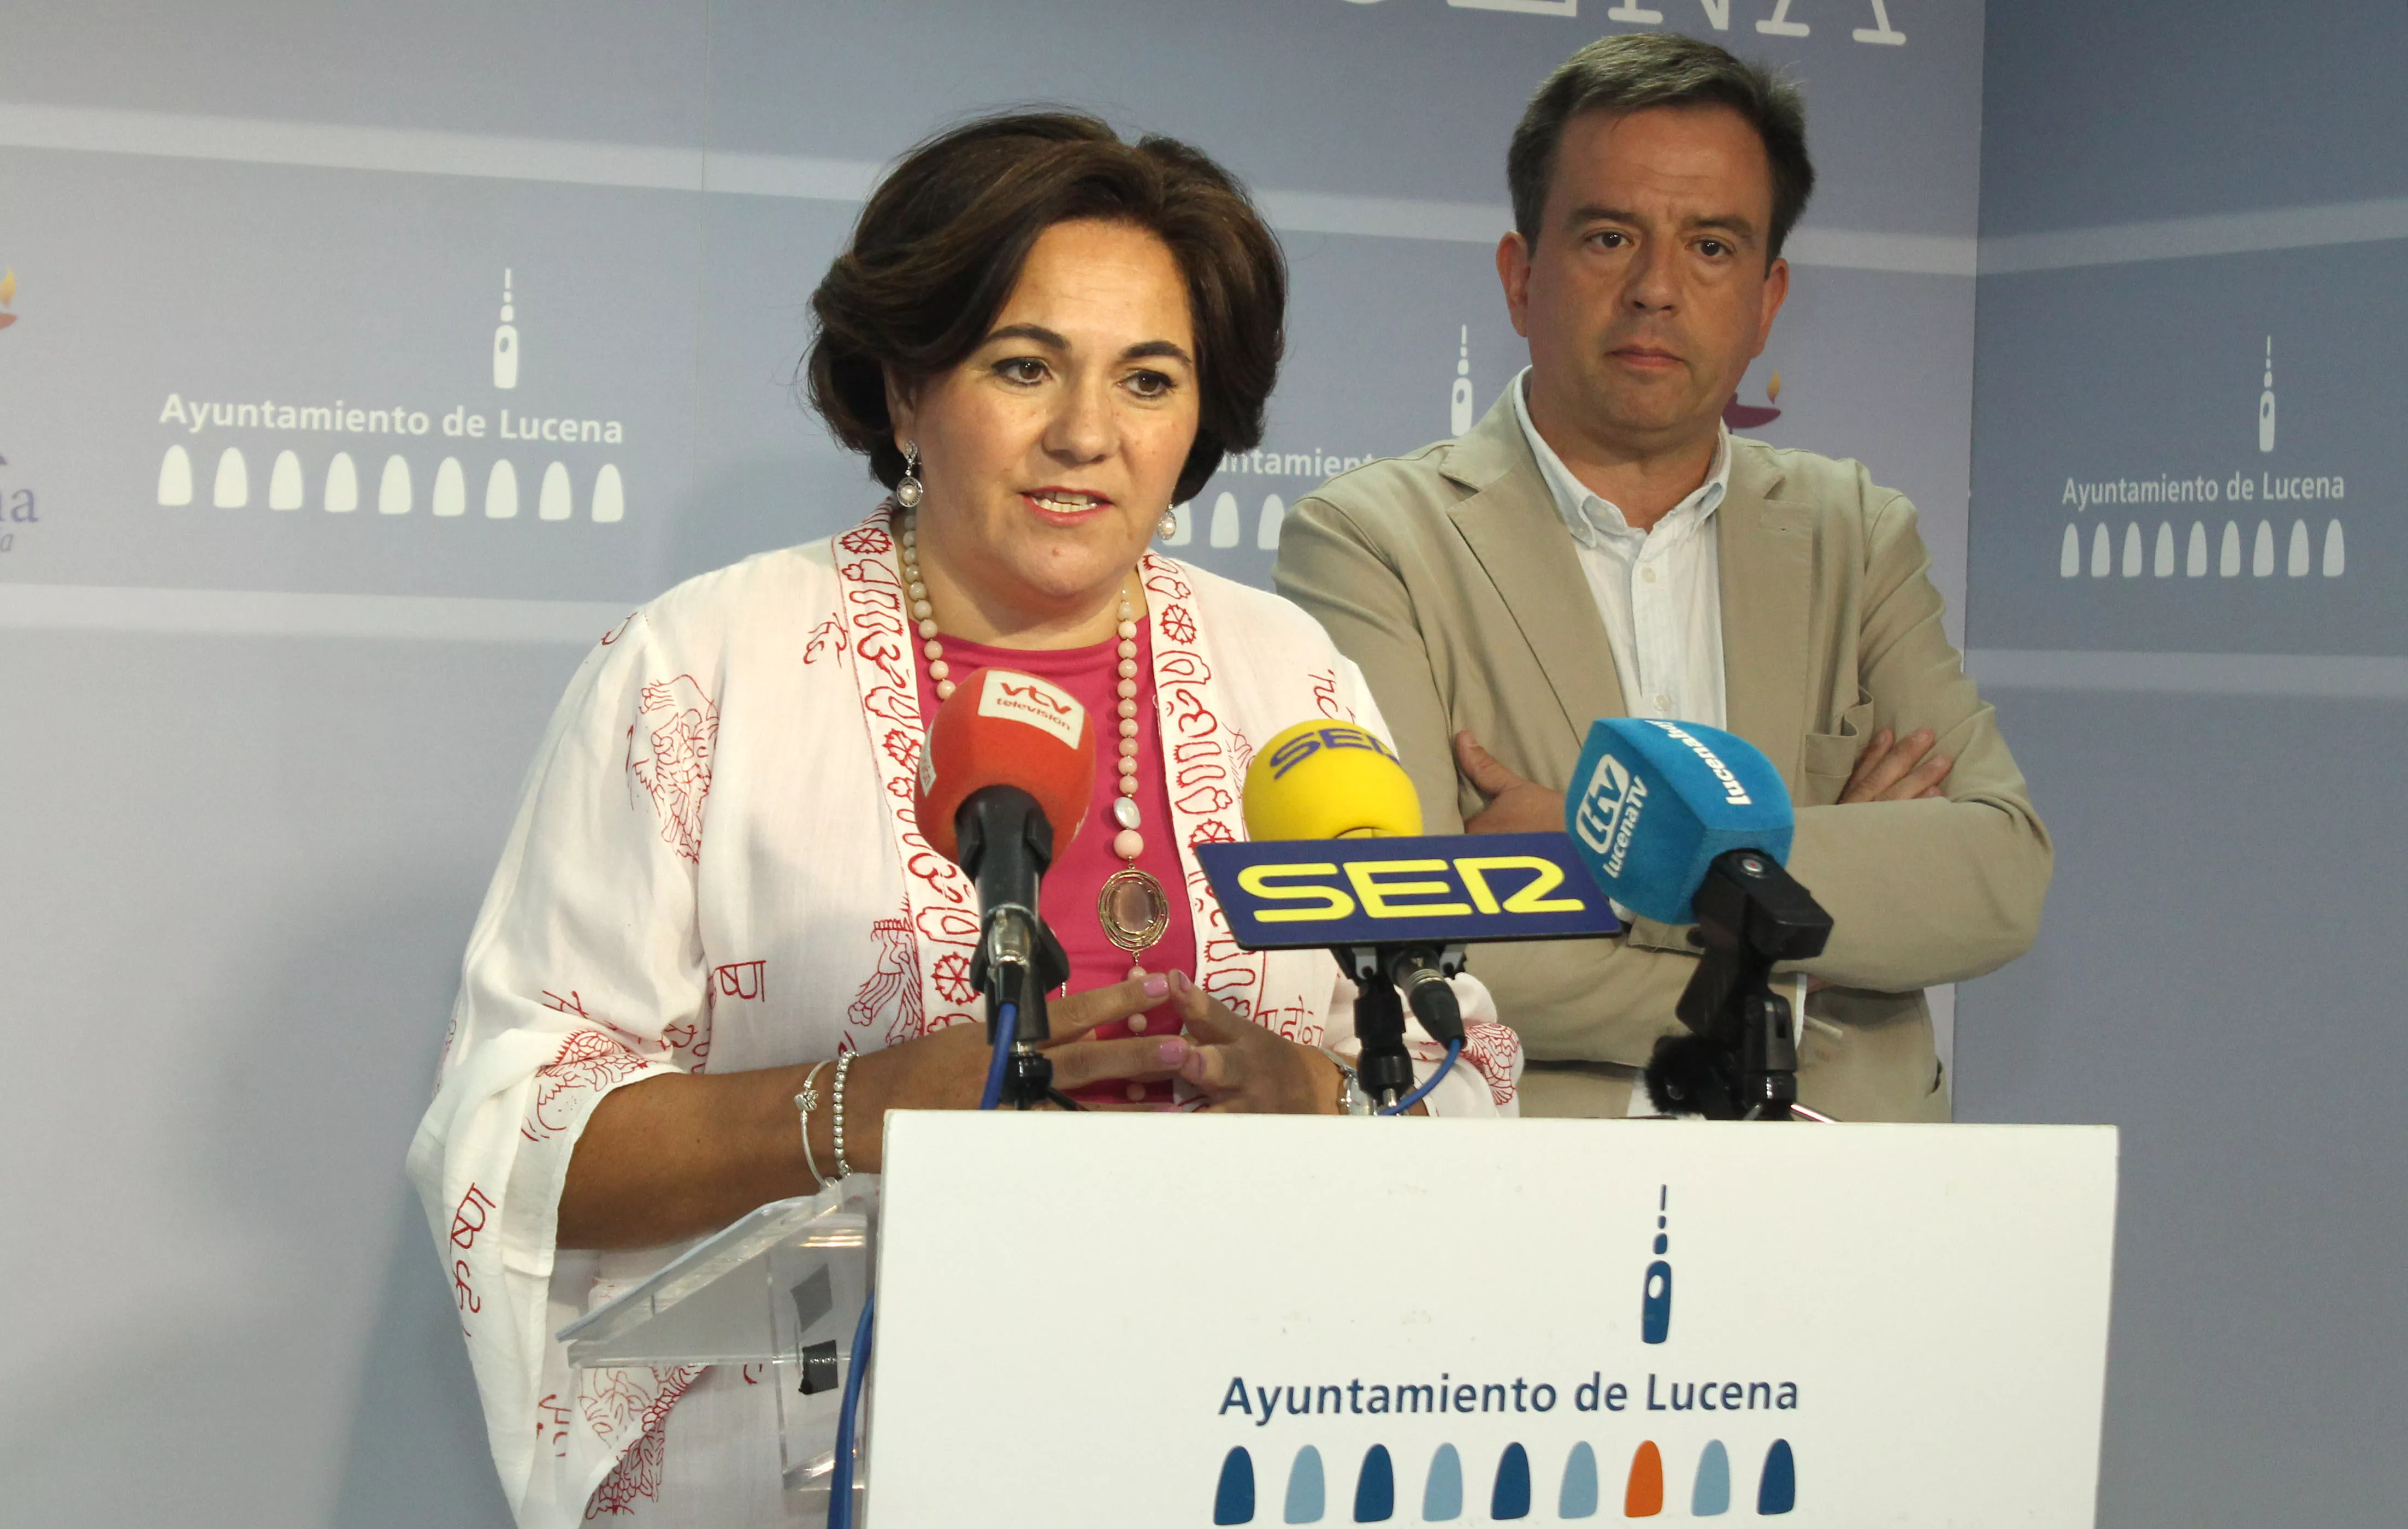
x=1000, y=728
x=1011, y=757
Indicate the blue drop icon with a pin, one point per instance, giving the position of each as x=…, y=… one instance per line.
x=1711, y=1495
x=1375, y=1488
x=1304, y=1487
x=1511, y=1497
x=1578, y=1499
x=1442, y=1499
x=1778, y=1491
x=1233, y=1501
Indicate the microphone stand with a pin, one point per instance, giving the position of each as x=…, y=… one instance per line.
x=1384, y=1067
x=1005, y=847
x=1739, y=1061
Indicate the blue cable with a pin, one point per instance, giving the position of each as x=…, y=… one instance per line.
x=1453, y=1049
x=1007, y=1025
x=839, y=1513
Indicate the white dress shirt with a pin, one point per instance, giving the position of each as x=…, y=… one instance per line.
x=1658, y=590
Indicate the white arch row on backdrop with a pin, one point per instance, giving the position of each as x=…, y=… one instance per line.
x=2297, y=562
x=555, y=497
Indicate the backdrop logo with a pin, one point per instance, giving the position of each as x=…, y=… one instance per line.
x=1512, y=1489
x=1458, y=399
x=7, y=297
x=1741, y=416
x=17, y=507
x=506, y=340
x=313, y=445
x=2296, y=553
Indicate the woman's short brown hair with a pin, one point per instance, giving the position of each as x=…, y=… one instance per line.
x=940, y=246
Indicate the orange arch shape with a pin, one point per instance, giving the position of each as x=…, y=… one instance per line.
x=1644, y=1497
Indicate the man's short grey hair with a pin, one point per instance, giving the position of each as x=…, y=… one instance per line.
x=1642, y=69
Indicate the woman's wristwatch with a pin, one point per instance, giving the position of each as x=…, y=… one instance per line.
x=1351, y=1100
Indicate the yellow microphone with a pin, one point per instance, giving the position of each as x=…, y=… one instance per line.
x=1330, y=780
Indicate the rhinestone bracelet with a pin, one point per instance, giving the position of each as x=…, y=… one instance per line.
x=843, y=1169
x=805, y=1102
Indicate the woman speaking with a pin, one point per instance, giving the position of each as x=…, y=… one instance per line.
x=719, y=948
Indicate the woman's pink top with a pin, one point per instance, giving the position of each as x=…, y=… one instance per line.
x=1067, y=899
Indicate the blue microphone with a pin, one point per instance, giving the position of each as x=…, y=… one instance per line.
x=1690, y=825
x=1653, y=803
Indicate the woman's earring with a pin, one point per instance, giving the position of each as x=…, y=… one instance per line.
x=908, y=489
x=1167, y=526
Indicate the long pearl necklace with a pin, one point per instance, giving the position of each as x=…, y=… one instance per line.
x=1132, y=907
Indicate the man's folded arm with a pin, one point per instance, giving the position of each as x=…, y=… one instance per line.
x=1327, y=566
x=1938, y=890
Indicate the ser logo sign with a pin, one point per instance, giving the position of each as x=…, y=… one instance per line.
x=1301, y=893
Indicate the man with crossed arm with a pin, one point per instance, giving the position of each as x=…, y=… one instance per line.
x=1600, y=545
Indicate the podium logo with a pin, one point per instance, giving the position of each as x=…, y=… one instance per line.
x=1655, y=1289
x=1512, y=1493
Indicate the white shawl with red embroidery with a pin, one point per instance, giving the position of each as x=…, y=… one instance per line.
x=691, y=883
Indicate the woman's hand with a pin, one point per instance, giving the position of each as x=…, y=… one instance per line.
x=948, y=1070
x=1243, y=1068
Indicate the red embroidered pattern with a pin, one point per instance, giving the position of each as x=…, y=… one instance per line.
x=670, y=750
x=1204, y=776
x=618, y=1399
x=745, y=979
x=1492, y=1047
x=588, y=1059
x=890, y=999
x=1325, y=694
x=828, y=632
x=937, y=925
x=690, y=1044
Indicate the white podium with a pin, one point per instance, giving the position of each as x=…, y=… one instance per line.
x=1115, y=1320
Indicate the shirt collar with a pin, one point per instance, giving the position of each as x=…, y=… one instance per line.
x=1589, y=514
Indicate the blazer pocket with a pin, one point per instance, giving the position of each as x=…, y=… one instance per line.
x=1830, y=758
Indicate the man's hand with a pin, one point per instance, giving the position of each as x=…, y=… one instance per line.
x=1516, y=806
x=1895, y=769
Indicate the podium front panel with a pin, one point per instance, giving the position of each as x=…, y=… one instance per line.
x=1093, y=1319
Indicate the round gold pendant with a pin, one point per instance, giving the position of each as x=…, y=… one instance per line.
x=1134, y=909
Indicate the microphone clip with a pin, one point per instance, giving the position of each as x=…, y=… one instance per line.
x=1739, y=1061
x=1388, y=979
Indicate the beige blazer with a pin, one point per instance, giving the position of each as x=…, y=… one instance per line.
x=1450, y=578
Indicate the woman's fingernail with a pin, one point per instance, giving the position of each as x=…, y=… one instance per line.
x=1178, y=982
x=1172, y=1053
x=1157, y=986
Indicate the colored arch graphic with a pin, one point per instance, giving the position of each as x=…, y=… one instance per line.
x=1304, y=1488
x=1777, y=1491
x=1643, y=1497
x=1578, y=1498
x=1375, y=1487
x=1511, y=1497
x=1711, y=1495
x=1443, y=1495
x=1233, y=1500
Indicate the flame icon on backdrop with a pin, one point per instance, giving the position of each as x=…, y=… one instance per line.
x=2266, y=402
x=7, y=296
x=506, y=341
x=1741, y=416
x=1460, y=400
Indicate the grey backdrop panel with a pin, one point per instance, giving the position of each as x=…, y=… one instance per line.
x=2215, y=972
x=266, y=754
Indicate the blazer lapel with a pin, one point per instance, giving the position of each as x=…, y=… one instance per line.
x=1513, y=528
x=1765, y=548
